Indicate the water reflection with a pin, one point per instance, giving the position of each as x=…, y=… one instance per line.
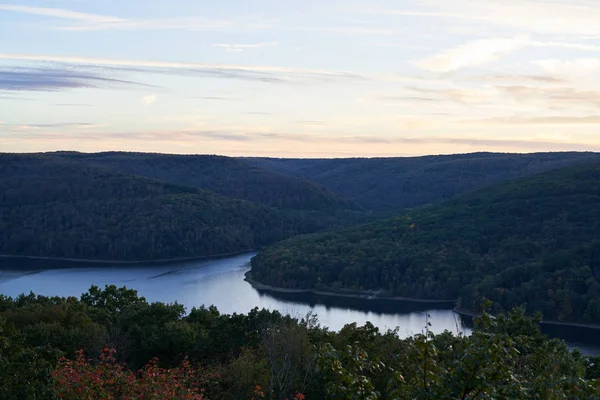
x=221, y=283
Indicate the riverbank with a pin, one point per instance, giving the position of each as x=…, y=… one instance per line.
x=377, y=296
x=90, y=262
x=367, y=295
x=468, y=313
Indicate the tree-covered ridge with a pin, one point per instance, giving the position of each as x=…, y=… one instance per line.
x=54, y=207
x=533, y=240
x=111, y=343
x=397, y=183
x=227, y=176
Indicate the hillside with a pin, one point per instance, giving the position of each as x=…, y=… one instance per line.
x=532, y=240
x=226, y=176
x=394, y=184
x=57, y=207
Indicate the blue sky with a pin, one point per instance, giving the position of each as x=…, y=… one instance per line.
x=300, y=79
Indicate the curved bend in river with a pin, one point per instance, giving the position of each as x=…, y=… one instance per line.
x=221, y=283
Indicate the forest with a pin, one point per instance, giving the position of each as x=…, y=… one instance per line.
x=111, y=343
x=56, y=207
x=390, y=185
x=531, y=241
x=226, y=176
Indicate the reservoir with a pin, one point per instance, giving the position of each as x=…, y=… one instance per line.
x=220, y=282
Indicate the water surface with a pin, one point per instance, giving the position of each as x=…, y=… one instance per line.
x=221, y=283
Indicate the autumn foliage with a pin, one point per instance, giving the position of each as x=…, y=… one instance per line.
x=83, y=379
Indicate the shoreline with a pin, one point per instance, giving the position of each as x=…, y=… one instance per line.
x=374, y=296
x=92, y=262
x=343, y=293
x=471, y=314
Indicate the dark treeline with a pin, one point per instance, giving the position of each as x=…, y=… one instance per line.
x=393, y=184
x=533, y=240
x=110, y=343
x=57, y=207
x=226, y=176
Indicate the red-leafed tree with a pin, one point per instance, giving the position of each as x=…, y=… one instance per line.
x=83, y=379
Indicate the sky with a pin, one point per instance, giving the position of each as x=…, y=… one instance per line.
x=309, y=78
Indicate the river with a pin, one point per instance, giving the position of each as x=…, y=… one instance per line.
x=220, y=282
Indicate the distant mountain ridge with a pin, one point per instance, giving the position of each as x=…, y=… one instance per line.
x=394, y=184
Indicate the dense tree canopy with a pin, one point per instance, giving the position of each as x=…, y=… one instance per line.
x=226, y=176
x=533, y=240
x=395, y=183
x=110, y=343
x=57, y=207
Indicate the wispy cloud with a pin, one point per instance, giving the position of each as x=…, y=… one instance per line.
x=521, y=78
x=553, y=97
x=245, y=47
x=344, y=30
x=550, y=120
x=55, y=79
x=91, y=22
x=260, y=73
x=49, y=125
x=463, y=96
x=483, y=51
x=473, y=54
x=96, y=22
x=61, y=13
x=187, y=136
x=537, y=16
x=576, y=67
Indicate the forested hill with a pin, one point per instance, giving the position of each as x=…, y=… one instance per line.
x=532, y=240
x=394, y=184
x=227, y=176
x=57, y=207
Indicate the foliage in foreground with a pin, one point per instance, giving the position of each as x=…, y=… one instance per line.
x=53, y=348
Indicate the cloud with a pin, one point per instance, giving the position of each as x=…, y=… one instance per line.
x=549, y=120
x=55, y=79
x=472, y=54
x=345, y=30
x=72, y=105
x=187, y=136
x=576, y=67
x=537, y=16
x=181, y=23
x=519, y=78
x=430, y=95
x=89, y=22
x=257, y=73
x=148, y=100
x=96, y=22
x=49, y=125
x=61, y=13
x=484, y=51
x=245, y=47
x=554, y=97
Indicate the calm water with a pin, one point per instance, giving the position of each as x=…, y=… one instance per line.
x=221, y=283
